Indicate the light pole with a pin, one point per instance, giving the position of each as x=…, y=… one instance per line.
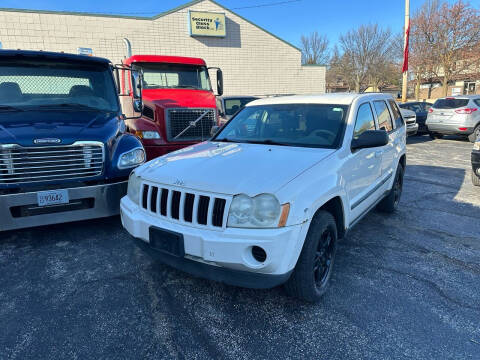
x=406, y=34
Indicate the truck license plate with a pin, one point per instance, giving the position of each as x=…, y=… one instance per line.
x=53, y=197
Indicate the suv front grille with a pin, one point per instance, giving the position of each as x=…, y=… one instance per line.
x=178, y=119
x=20, y=164
x=188, y=207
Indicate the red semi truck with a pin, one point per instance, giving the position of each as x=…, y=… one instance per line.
x=179, y=105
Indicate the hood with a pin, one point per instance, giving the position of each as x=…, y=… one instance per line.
x=231, y=168
x=408, y=113
x=167, y=98
x=69, y=126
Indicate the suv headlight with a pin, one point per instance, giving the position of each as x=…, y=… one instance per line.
x=134, y=183
x=131, y=158
x=476, y=145
x=261, y=211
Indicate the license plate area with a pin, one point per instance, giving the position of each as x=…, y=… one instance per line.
x=52, y=197
x=167, y=241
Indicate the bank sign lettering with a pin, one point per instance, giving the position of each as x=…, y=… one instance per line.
x=207, y=24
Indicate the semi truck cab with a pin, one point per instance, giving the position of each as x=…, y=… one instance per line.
x=179, y=103
x=65, y=154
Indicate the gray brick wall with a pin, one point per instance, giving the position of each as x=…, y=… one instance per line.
x=252, y=60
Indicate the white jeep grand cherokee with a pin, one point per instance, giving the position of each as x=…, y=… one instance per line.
x=265, y=201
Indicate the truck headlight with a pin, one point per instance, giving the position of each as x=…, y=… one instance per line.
x=147, y=134
x=476, y=145
x=134, y=183
x=131, y=158
x=261, y=211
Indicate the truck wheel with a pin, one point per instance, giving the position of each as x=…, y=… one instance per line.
x=475, y=179
x=390, y=203
x=473, y=136
x=311, y=275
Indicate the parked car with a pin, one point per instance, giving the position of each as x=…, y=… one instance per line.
x=229, y=105
x=265, y=201
x=64, y=151
x=457, y=115
x=411, y=120
x=476, y=163
x=421, y=110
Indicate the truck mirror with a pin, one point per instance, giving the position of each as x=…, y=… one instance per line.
x=219, y=82
x=136, y=84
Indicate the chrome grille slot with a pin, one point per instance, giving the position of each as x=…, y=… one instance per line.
x=184, y=206
x=48, y=163
x=178, y=119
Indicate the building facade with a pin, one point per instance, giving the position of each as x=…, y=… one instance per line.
x=254, y=61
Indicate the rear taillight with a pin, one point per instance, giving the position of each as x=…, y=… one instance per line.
x=466, y=110
x=463, y=129
x=430, y=110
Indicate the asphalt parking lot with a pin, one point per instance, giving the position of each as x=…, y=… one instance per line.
x=405, y=286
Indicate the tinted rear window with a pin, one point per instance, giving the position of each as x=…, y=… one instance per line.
x=450, y=103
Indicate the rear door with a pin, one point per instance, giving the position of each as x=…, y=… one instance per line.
x=385, y=122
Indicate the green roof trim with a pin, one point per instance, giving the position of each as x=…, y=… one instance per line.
x=191, y=3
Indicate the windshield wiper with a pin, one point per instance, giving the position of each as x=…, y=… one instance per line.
x=266, y=142
x=227, y=140
x=188, y=87
x=69, y=105
x=10, y=108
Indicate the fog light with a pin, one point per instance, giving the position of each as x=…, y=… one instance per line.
x=259, y=254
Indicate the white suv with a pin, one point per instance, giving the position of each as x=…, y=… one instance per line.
x=266, y=199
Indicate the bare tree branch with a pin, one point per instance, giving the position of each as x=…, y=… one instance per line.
x=315, y=49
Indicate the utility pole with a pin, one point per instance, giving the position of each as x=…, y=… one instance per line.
x=406, y=34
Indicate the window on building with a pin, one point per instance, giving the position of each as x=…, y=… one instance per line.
x=365, y=120
x=383, y=115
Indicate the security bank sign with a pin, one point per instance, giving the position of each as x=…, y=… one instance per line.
x=207, y=24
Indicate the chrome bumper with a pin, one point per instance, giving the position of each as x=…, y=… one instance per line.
x=104, y=200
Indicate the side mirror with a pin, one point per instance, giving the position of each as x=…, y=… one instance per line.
x=214, y=130
x=219, y=82
x=370, y=139
x=136, y=84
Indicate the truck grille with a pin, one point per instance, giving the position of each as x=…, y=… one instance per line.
x=184, y=206
x=178, y=119
x=20, y=164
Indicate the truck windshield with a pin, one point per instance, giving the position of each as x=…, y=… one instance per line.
x=176, y=76
x=305, y=125
x=45, y=85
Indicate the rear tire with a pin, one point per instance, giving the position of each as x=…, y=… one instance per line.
x=434, y=136
x=310, y=278
x=390, y=203
x=475, y=179
x=473, y=136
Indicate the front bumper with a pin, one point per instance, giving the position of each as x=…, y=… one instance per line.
x=449, y=129
x=88, y=202
x=412, y=129
x=223, y=255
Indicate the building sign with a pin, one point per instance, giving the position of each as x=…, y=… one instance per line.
x=207, y=24
x=85, y=51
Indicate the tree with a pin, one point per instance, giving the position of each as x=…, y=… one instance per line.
x=315, y=49
x=446, y=40
x=366, y=50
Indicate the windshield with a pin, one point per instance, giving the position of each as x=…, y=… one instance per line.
x=176, y=76
x=450, y=103
x=46, y=84
x=307, y=125
x=232, y=105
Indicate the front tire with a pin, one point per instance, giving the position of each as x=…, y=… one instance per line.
x=310, y=278
x=390, y=203
x=475, y=179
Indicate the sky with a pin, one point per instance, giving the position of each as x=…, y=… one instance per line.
x=288, y=20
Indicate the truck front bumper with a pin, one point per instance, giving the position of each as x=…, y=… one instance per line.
x=88, y=202
x=223, y=255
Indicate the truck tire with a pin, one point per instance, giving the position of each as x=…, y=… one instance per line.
x=311, y=275
x=473, y=136
x=390, y=203
x=475, y=179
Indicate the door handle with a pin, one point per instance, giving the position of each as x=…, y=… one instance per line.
x=378, y=153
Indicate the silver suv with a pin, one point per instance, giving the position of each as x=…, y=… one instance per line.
x=455, y=115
